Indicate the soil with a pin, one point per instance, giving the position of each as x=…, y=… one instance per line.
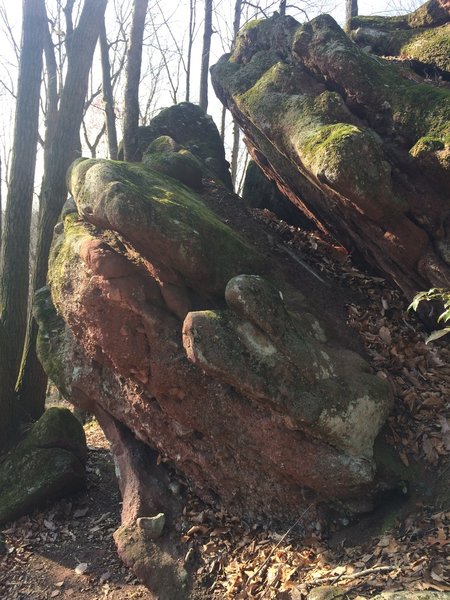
x=44, y=550
x=67, y=551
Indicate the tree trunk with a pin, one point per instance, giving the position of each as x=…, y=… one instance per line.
x=192, y=6
x=58, y=156
x=351, y=10
x=207, y=34
x=236, y=130
x=283, y=8
x=108, y=98
x=134, y=59
x=14, y=290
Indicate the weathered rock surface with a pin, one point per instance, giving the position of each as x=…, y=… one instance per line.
x=172, y=322
x=422, y=36
x=176, y=326
x=50, y=461
x=260, y=192
x=359, y=145
x=189, y=126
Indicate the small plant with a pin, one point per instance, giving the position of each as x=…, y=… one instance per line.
x=442, y=296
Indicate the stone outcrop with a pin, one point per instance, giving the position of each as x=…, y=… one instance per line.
x=169, y=317
x=358, y=144
x=50, y=461
x=260, y=192
x=422, y=37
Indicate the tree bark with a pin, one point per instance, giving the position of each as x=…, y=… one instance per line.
x=63, y=149
x=192, y=6
x=108, y=98
x=236, y=130
x=351, y=10
x=207, y=34
x=134, y=60
x=14, y=289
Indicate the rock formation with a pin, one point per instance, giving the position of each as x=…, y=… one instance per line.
x=50, y=460
x=172, y=318
x=260, y=192
x=360, y=144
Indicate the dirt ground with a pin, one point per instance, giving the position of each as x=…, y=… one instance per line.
x=67, y=550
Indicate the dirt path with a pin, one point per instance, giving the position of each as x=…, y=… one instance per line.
x=44, y=550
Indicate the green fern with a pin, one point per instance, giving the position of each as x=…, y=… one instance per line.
x=443, y=296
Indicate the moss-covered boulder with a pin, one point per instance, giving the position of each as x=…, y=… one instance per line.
x=423, y=35
x=168, y=158
x=229, y=376
x=193, y=129
x=47, y=464
x=343, y=132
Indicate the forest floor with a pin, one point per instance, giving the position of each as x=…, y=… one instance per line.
x=67, y=550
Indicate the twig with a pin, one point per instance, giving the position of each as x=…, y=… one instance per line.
x=283, y=537
x=302, y=263
x=355, y=575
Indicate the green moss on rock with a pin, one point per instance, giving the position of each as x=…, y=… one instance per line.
x=188, y=125
x=159, y=216
x=181, y=165
x=430, y=46
x=46, y=465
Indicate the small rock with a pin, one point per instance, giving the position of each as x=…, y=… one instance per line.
x=175, y=488
x=326, y=592
x=81, y=568
x=153, y=526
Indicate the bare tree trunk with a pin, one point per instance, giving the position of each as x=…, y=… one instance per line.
x=57, y=158
x=222, y=123
x=1, y=206
x=134, y=60
x=192, y=5
x=108, y=98
x=14, y=289
x=236, y=131
x=351, y=10
x=283, y=8
x=207, y=34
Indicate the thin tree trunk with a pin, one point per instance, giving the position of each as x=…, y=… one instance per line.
x=351, y=10
x=207, y=34
x=51, y=110
x=108, y=98
x=1, y=207
x=192, y=4
x=134, y=60
x=283, y=8
x=222, y=123
x=58, y=156
x=15, y=258
x=236, y=131
x=235, y=153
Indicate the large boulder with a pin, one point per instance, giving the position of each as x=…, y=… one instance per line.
x=174, y=324
x=189, y=126
x=47, y=464
x=357, y=143
x=422, y=37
